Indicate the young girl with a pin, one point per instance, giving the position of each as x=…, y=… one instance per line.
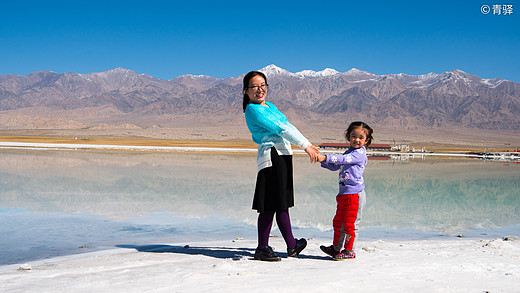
x=351, y=197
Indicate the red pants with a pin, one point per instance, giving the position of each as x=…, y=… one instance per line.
x=344, y=220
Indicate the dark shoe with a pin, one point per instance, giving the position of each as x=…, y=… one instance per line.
x=330, y=250
x=266, y=254
x=295, y=251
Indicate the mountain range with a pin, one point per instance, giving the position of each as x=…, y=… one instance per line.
x=120, y=96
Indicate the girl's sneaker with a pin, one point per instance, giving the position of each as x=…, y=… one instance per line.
x=338, y=255
x=344, y=254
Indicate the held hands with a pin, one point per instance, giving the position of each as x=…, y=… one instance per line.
x=321, y=158
x=313, y=153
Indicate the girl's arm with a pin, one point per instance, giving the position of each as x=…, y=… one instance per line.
x=334, y=162
x=355, y=157
x=323, y=158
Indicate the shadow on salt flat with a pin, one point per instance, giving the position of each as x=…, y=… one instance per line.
x=216, y=252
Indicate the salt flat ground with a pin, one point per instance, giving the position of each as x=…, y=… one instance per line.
x=449, y=265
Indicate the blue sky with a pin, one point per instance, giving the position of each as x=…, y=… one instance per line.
x=166, y=39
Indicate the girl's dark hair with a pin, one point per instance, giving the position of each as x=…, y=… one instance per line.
x=363, y=125
x=247, y=78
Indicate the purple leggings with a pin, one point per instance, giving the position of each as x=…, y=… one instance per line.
x=265, y=222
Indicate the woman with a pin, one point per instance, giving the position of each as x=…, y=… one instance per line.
x=274, y=193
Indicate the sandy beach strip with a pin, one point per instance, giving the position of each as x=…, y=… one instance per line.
x=453, y=265
x=46, y=143
x=229, y=148
x=56, y=146
x=202, y=146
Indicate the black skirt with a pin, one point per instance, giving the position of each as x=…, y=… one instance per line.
x=274, y=185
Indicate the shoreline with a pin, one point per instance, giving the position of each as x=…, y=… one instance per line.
x=77, y=249
x=242, y=148
x=234, y=144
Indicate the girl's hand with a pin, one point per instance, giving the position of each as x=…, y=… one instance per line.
x=313, y=153
x=321, y=158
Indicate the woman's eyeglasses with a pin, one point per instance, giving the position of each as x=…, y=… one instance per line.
x=264, y=87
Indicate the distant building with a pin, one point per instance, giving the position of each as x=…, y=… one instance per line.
x=372, y=147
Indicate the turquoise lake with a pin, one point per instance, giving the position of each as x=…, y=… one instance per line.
x=55, y=203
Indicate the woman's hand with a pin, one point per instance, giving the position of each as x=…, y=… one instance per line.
x=313, y=153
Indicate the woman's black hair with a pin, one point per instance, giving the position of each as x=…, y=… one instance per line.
x=363, y=125
x=247, y=78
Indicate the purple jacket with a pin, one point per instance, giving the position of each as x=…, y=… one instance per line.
x=351, y=166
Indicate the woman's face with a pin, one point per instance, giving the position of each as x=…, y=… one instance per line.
x=257, y=90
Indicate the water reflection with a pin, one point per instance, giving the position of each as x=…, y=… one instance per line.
x=445, y=195
x=123, y=185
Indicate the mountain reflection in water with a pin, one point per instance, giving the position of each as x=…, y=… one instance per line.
x=445, y=195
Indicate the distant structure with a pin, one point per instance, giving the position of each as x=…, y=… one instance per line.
x=373, y=147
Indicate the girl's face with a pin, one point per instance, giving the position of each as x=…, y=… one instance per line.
x=257, y=90
x=357, y=137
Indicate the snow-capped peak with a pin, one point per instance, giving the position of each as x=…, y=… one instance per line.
x=355, y=71
x=272, y=69
x=357, y=75
x=323, y=73
x=459, y=74
x=196, y=76
x=493, y=82
x=428, y=75
x=119, y=70
x=116, y=72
